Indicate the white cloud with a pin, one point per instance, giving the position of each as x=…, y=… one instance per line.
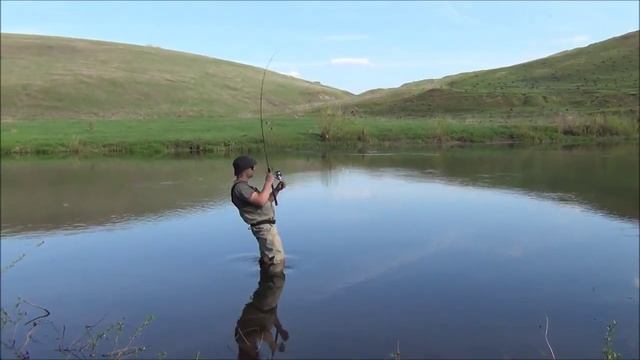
x=351, y=61
x=345, y=37
x=293, y=73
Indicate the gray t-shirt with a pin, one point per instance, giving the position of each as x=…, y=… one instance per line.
x=250, y=213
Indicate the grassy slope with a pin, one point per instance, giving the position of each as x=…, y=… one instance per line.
x=602, y=77
x=190, y=120
x=46, y=77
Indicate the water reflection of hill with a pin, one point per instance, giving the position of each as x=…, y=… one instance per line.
x=603, y=178
x=49, y=195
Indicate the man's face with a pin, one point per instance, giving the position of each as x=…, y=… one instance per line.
x=250, y=171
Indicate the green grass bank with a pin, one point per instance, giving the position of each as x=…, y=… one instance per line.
x=169, y=136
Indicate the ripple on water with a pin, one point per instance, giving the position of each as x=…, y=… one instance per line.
x=249, y=261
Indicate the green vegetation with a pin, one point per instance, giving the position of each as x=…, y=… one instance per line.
x=107, y=341
x=332, y=130
x=46, y=77
x=96, y=341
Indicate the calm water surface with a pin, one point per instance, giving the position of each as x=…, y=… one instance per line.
x=454, y=253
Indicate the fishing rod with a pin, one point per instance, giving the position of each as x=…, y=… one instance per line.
x=278, y=173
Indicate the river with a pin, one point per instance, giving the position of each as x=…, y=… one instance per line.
x=448, y=253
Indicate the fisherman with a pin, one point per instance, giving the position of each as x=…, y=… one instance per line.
x=259, y=318
x=256, y=209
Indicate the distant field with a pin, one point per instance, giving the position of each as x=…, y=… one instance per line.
x=167, y=136
x=53, y=78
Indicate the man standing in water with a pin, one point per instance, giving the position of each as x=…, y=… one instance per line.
x=256, y=209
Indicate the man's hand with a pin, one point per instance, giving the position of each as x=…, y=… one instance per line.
x=281, y=185
x=283, y=333
x=268, y=179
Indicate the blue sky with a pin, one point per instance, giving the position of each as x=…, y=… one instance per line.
x=353, y=46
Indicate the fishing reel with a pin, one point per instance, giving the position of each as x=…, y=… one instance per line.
x=278, y=176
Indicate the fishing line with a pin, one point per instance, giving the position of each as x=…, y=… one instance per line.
x=264, y=140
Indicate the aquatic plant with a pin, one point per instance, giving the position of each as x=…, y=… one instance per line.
x=96, y=341
x=396, y=354
x=17, y=334
x=13, y=263
x=546, y=331
x=608, y=352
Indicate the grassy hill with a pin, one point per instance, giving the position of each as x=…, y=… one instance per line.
x=199, y=104
x=46, y=77
x=599, y=78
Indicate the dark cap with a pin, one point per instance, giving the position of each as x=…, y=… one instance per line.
x=242, y=163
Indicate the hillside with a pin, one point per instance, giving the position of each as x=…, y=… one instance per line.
x=601, y=77
x=46, y=77
x=199, y=104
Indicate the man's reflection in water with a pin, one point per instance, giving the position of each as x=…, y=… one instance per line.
x=260, y=316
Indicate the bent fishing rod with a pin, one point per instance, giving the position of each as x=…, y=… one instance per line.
x=278, y=173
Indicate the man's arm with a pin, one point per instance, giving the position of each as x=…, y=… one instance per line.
x=284, y=333
x=261, y=198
